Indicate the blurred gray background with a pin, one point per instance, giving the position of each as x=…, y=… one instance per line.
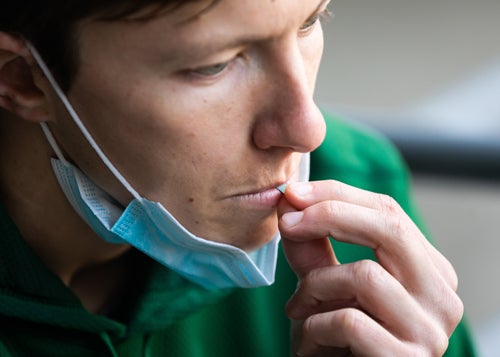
x=427, y=72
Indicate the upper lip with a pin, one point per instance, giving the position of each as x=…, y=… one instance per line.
x=281, y=176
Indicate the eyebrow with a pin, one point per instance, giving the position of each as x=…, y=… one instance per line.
x=206, y=9
x=211, y=48
x=320, y=5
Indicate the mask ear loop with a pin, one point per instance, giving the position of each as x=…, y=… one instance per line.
x=78, y=122
x=53, y=143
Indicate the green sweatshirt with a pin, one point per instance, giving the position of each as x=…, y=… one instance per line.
x=164, y=315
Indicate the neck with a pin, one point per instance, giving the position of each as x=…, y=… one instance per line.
x=37, y=205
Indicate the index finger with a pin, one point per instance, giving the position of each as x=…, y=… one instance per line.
x=305, y=194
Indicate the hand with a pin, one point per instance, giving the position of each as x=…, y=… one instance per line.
x=403, y=305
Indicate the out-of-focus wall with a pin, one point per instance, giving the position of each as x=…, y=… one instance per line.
x=383, y=56
x=464, y=217
x=390, y=53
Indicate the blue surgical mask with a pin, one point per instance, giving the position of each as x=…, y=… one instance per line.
x=150, y=228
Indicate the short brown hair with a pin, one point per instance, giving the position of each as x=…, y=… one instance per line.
x=50, y=25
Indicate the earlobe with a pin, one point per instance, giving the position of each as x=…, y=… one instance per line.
x=18, y=92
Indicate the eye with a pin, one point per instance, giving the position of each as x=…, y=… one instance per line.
x=210, y=71
x=309, y=24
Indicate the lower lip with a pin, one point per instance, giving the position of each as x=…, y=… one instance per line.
x=267, y=199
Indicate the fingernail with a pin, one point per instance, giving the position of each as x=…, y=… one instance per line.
x=302, y=189
x=291, y=219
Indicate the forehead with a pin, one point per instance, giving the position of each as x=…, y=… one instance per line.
x=202, y=23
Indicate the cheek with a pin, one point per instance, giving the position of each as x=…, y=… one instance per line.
x=169, y=140
x=189, y=141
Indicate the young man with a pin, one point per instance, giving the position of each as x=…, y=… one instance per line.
x=141, y=148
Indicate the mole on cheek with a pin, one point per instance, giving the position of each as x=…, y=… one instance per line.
x=191, y=199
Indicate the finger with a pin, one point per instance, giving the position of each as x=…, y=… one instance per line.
x=443, y=265
x=374, y=296
x=305, y=256
x=296, y=332
x=394, y=238
x=398, y=251
x=302, y=195
x=348, y=328
x=364, y=285
x=353, y=329
x=393, y=234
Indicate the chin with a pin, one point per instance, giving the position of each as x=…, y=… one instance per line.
x=256, y=236
x=247, y=233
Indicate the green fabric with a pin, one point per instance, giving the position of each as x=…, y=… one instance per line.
x=165, y=315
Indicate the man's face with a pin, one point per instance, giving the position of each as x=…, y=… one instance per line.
x=205, y=114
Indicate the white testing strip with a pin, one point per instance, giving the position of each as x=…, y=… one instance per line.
x=282, y=188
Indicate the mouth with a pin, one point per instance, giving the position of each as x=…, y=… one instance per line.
x=263, y=199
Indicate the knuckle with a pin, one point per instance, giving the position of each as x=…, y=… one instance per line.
x=310, y=280
x=387, y=203
x=395, y=220
x=336, y=185
x=455, y=312
x=338, y=188
x=333, y=209
x=439, y=344
x=307, y=326
x=435, y=343
x=316, y=277
x=396, y=226
x=448, y=310
x=453, y=280
x=434, y=339
x=369, y=273
x=450, y=276
x=351, y=321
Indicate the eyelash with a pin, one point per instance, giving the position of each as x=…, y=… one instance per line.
x=309, y=24
x=211, y=71
x=217, y=68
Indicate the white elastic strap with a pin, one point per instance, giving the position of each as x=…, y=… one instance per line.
x=53, y=143
x=78, y=122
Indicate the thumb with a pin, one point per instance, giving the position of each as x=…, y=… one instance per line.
x=304, y=256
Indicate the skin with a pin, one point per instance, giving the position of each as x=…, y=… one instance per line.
x=184, y=145
x=149, y=95
x=404, y=305
x=209, y=146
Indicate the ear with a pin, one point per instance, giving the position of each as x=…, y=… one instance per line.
x=19, y=93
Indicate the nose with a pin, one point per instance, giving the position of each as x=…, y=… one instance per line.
x=289, y=118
